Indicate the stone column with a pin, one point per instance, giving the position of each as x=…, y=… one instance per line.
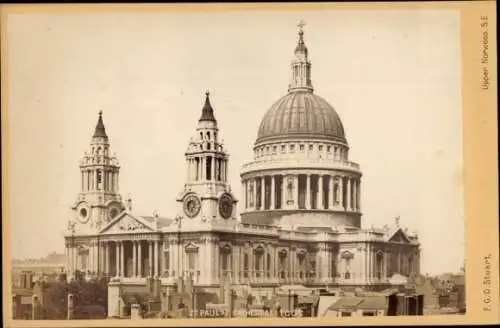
x=155, y=258
x=244, y=190
x=296, y=193
x=273, y=191
x=358, y=194
x=348, y=194
x=331, y=195
x=354, y=194
x=321, y=205
x=202, y=168
x=284, y=191
x=150, y=257
x=255, y=193
x=308, y=191
x=117, y=253
x=234, y=263
x=139, y=258
x=263, y=193
x=106, y=258
x=212, y=167
x=134, y=258
x=341, y=192
x=122, y=259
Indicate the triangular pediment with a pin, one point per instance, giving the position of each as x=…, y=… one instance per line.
x=126, y=223
x=399, y=237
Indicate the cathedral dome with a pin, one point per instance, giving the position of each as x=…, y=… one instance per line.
x=301, y=114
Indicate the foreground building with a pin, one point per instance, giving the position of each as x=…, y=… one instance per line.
x=301, y=212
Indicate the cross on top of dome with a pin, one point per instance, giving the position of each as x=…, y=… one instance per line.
x=301, y=24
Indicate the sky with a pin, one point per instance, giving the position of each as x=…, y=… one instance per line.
x=393, y=75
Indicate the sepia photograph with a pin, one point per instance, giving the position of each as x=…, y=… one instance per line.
x=235, y=164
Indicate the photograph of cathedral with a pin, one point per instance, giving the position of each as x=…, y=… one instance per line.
x=298, y=221
x=263, y=167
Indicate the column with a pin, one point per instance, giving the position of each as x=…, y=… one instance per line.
x=122, y=259
x=321, y=205
x=331, y=195
x=106, y=258
x=255, y=193
x=139, y=258
x=284, y=192
x=296, y=193
x=212, y=167
x=348, y=194
x=117, y=262
x=354, y=193
x=150, y=254
x=202, y=168
x=225, y=165
x=156, y=258
x=308, y=191
x=162, y=259
x=358, y=195
x=273, y=191
x=134, y=258
x=244, y=190
x=263, y=192
x=341, y=192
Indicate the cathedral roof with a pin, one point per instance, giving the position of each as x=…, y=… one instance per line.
x=301, y=114
x=100, y=130
x=207, y=113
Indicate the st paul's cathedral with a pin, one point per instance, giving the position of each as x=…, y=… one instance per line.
x=296, y=222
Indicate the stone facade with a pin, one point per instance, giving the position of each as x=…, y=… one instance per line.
x=300, y=221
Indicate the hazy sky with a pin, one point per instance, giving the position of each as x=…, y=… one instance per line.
x=394, y=76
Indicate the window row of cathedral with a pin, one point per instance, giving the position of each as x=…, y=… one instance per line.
x=335, y=151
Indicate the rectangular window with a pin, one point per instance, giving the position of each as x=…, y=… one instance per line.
x=166, y=258
x=311, y=147
x=245, y=262
x=329, y=149
x=368, y=314
x=283, y=148
x=301, y=147
x=274, y=149
x=346, y=314
x=320, y=148
x=191, y=260
x=225, y=261
x=292, y=148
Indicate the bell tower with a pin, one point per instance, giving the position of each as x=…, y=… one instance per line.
x=207, y=195
x=98, y=201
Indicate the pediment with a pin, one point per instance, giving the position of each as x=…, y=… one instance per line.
x=399, y=237
x=126, y=223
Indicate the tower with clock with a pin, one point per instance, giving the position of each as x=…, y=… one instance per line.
x=98, y=201
x=207, y=196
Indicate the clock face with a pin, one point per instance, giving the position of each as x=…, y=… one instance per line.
x=83, y=213
x=226, y=206
x=113, y=212
x=192, y=206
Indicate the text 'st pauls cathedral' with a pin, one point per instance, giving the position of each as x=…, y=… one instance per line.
x=299, y=219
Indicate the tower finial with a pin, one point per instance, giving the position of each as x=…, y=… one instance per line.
x=207, y=113
x=100, y=130
x=301, y=67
